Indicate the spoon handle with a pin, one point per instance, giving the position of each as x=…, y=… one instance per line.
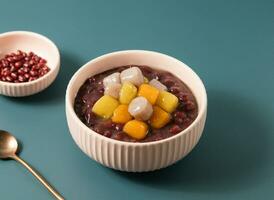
x=39, y=177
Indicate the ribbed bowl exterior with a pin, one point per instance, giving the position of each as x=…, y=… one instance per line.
x=135, y=158
x=22, y=89
x=128, y=156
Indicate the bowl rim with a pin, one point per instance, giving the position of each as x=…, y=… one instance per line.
x=70, y=110
x=41, y=37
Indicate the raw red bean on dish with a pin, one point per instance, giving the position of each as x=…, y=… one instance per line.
x=22, y=67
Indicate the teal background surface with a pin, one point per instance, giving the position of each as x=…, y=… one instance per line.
x=230, y=44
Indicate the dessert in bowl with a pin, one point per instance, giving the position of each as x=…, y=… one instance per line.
x=136, y=110
x=159, y=106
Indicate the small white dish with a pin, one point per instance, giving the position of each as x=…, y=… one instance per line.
x=40, y=45
x=128, y=156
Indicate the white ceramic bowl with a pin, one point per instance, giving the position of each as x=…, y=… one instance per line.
x=40, y=45
x=136, y=157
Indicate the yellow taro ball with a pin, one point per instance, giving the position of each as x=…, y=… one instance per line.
x=167, y=101
x=105, y=106
x=136, y=129
x=149, y=92
x=121, y=114
x=159, y=117
x=127, y=93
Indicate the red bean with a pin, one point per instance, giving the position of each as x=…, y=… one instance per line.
x=6, y=72
x=36, y=58
x=175, y=129
x=108, y=124
x=101, y=91
x=13, y=75
x=33, y=73
x=92, y=80
x=32, y=78
x=107, y=133
x=182, y=96
x=19, y=52
x=5, y=63
x=189, y=105
x=17, y=57
x=27, y=76
x=119, y=127
x=179, y=117
x=9, y=78
x=35, y=67
x=21, y=78
x=155, y=75
x=118, y=136
x=27, y=58
x=18, y=64
x=168, y=82
x=31, y=62
x=174, y=89
x=12, y=65
x=45, y=69
x=21, y=71
x=26, y=70
x=40, y=65
x=43, y=61
x=12, y=69
x=9, y=59
x=26, y=64
x=187, y=121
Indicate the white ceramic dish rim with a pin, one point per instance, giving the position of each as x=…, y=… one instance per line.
x=201, y=110
x=38, y=36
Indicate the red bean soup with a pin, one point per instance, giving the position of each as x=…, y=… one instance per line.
x=172, y=121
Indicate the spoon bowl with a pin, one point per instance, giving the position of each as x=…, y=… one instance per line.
x=8, y=145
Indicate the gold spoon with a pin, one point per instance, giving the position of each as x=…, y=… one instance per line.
x=8, y=148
